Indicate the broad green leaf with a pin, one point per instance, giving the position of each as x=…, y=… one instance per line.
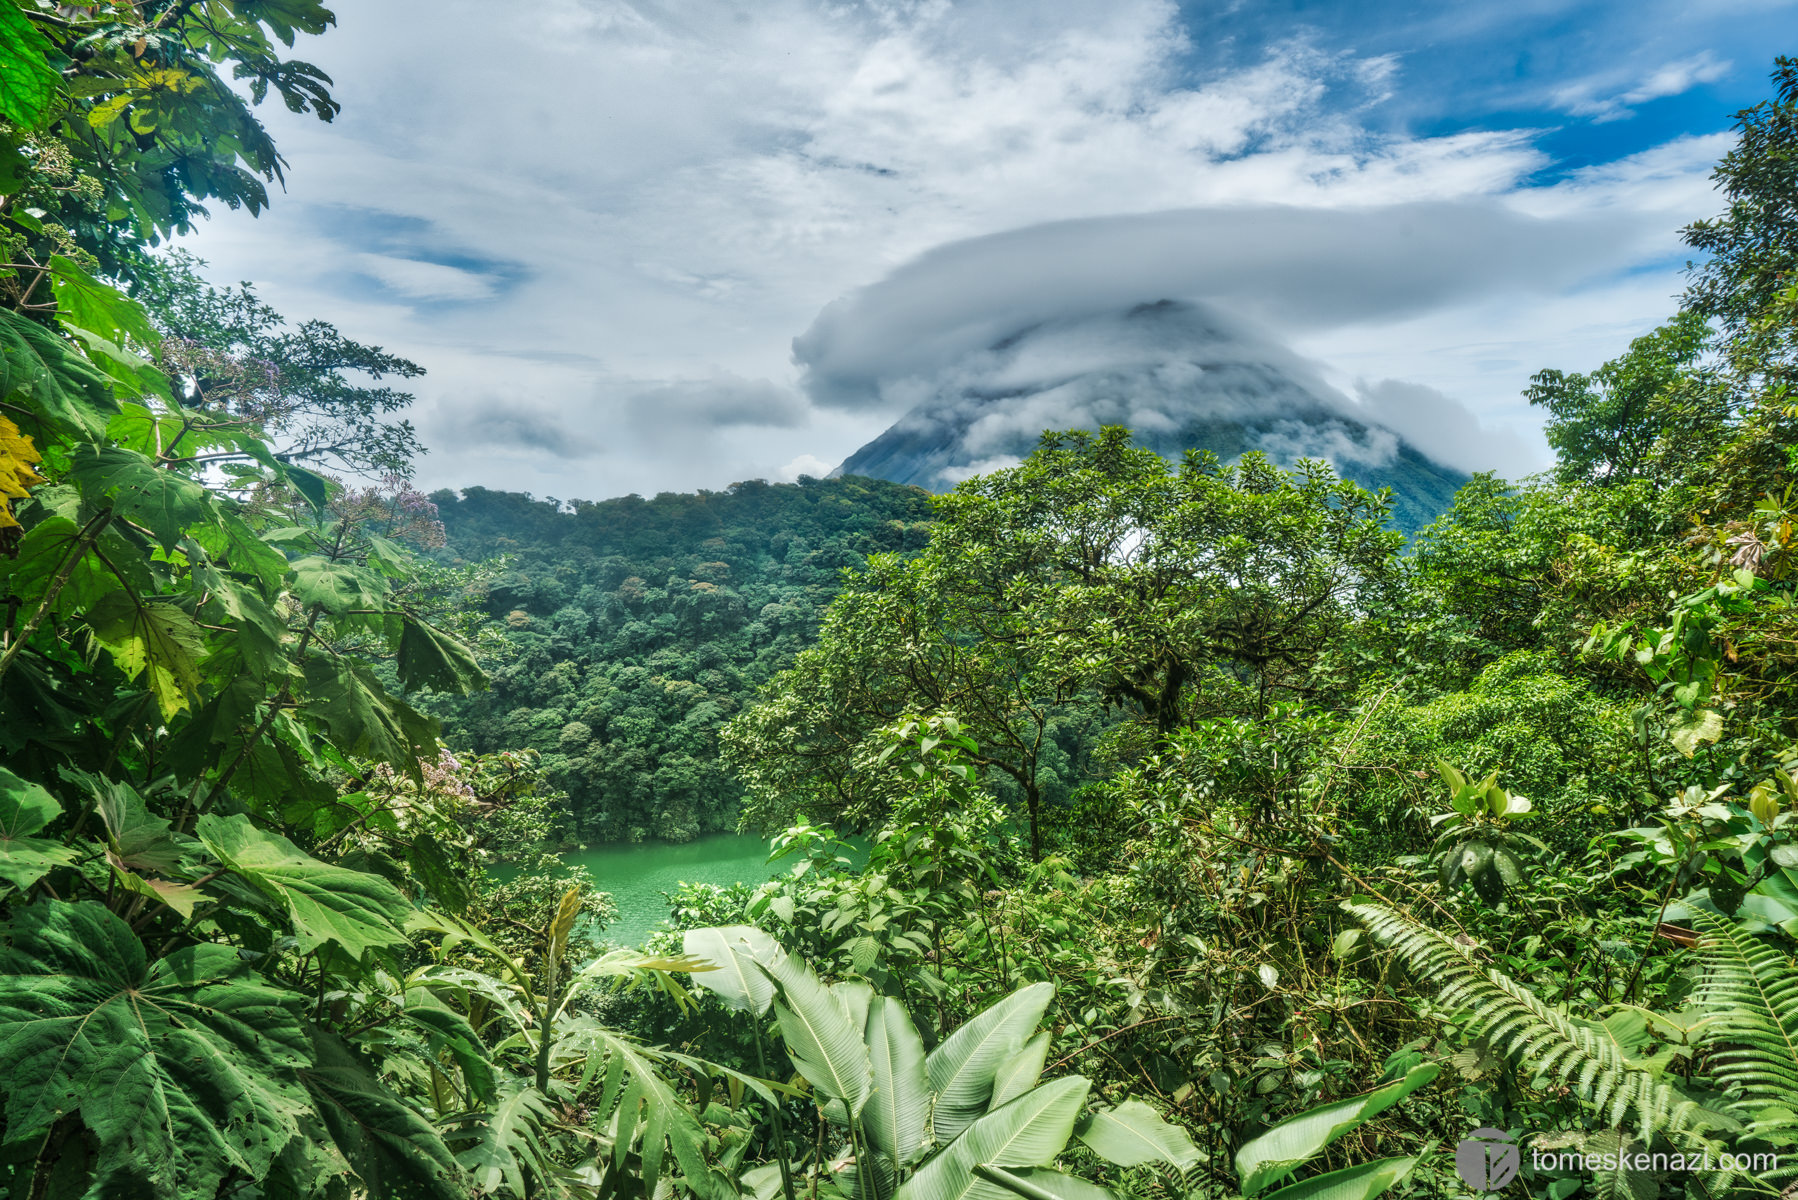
x=1041, y=1183
x=1351, y=1183
x=963, y=1067
x=1021, y=1071
x=1133, y=1133
x=822, y=1040
x=353, y=909
x=430, y=657
x=393, y=1151
x=154, y=639
x=25, y=809
x=163, y=501
x=184, y=1068
x=1275, y=1153
x=40, y=369
x=897, y=1116
x=338, y=587
x=362, y=719
x=1028, y=1132
x=734, y=950
x=142, y=840
x=27, y=80
x=85, y=303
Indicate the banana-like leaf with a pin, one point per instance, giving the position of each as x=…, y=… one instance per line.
x=1028, y=1132
x=734, y=951
x=897, y=1118
x=963, y=1067
x=1351, y=1183
x=1277, y=1152
x=1041, y=1183
x=821, y=1037
x=1021, y=1071
x=1133, y=1133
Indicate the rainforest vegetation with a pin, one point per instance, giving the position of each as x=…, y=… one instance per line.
x=1219, y=839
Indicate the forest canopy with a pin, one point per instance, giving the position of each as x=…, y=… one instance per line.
x=1216, y=840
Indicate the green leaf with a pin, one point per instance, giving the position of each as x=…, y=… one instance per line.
x=63, y=388
x=430, y=657
x=163, y=501
x=963, y=1067
x=154, y=639
x=183, y=1069
x=897, y=1117
x=1020, y=1072
x=1028, y=1132
x=734, y=950
x=1133, y=1133
x=362, y=719
x=1352, y=1183
x=823, y=1042
x=432, y=867
x=1279, y=1150
x=27, y=80
x=353, y=909
x=85, y=303
x=25, y=809
x=393, y=1151
x=338, y=587
x=1041, y=1183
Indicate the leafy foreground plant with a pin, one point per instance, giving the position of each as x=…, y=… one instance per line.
x=1744, y=1031
x=970, y=1119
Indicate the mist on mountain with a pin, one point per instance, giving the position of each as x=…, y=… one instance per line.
x=1180, y=374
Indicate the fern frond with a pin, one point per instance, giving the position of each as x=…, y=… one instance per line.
x=1584, y=1055
x=1753, y=989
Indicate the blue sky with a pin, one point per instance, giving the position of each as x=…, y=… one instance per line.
x=605, y=226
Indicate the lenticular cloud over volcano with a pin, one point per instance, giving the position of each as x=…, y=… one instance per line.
x=1180, y=374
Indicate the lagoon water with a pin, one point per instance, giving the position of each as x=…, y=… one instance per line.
x=637, y=875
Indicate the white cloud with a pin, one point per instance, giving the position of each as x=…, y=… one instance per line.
x=1600, y=99
x=682, y=189
x=805, y=464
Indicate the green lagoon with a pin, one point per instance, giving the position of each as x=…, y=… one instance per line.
x=637, y=875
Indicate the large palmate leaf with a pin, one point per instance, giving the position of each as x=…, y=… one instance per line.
x=1028, y=1132
x=430, y=657
x=393, y=1151
x=1133, y=1133
x=63, y=388
x=897, y=1117
x=25, y=808
x=356, y=910
x=962, y=1069
x=153, y=639
x=362, y=719
x=83, y=302
x=1275, y=1153
x=167, y=503
x=27, y=80
x=735, y=950
x=183, y=1069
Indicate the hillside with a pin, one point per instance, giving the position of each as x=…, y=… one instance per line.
x=638, y=627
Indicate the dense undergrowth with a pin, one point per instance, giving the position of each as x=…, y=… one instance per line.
x=1220, y=843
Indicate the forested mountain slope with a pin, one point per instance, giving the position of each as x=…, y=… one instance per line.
x=637, y=627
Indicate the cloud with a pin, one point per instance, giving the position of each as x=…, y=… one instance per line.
x=650, y=195
x=1596, y=98
x=1446, y=430
x=723, y=400
x=1290, y=268
x=491, y=421
x=805, y=464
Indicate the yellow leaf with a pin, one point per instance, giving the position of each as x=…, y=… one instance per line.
x=17, y=458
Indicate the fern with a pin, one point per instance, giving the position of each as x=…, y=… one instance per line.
x=1584, y=1055
x=1752, y=990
